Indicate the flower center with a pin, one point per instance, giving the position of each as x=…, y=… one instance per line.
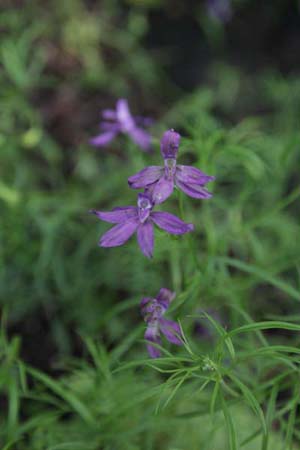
x=144, y=207
x=170, y=168
x=154, y=311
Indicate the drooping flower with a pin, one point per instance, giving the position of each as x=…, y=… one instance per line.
x=160, y=181
x=140, y=219
x=153, y=310
x=121, y=121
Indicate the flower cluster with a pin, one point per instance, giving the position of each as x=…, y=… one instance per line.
x=158, y=183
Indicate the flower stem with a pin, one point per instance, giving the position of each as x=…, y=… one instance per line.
x=191, y=241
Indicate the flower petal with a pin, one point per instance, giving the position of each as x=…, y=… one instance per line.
x=145, y=237
x=193, y=190
x=117, y=215
x=140, y=137
x=152, y=335
x=161, y=190
x=119, y=234
x=220, y=11
x=110, y=126
x=109, y=114
x=164, y=297
x=103, y=138
x=145, y=304
x=145, y=177
x=189, y=174
x=171, y=330
x=169, y=144
x=124, y=116
x=170, y=223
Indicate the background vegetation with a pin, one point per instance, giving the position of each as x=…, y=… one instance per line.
x=74, y=370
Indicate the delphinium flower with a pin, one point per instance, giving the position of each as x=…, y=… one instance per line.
x=153, y=310
x=139, y=219
x=121, y=121
x=220, y=10
x=160, y=181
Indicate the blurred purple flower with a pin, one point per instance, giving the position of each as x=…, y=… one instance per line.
x=140, y=219
x=159, y=181
x=153, y=310
x=121, y=121
x=220, y=10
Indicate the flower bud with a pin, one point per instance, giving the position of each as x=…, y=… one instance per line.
x=169, y=144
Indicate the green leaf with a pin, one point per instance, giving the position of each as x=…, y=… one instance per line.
x=65, y=394
x=222, y=333
x=261, y=273
x=214, y=398
x=232, y=437
x=251, y=400
x=268, y=325
x=292, y=419
x=270, y=416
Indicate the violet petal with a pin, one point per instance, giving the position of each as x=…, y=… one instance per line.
x=162, y=190
x=169, y=144
x=110, y=126
x=140, y=137
x=193, y=190
x=189, y=174
x=219, y=10
x=145, y=177
x=124, y=116
x=164, y=297
x=170, y=223
x=119, y=234
x=145, y=206
x=117, y=215
x=152, y=335
x=144, y=304
x=171, y=330
x=145, y=237
x=109, y=114
x=103, y=138
x=151, y=311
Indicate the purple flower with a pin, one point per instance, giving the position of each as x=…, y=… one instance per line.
x=121, y=121
x=159, y=181
x=153, y=310
x=140, y=219
x=219, y=10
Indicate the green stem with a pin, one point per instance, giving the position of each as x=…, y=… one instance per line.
x=191, y=241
